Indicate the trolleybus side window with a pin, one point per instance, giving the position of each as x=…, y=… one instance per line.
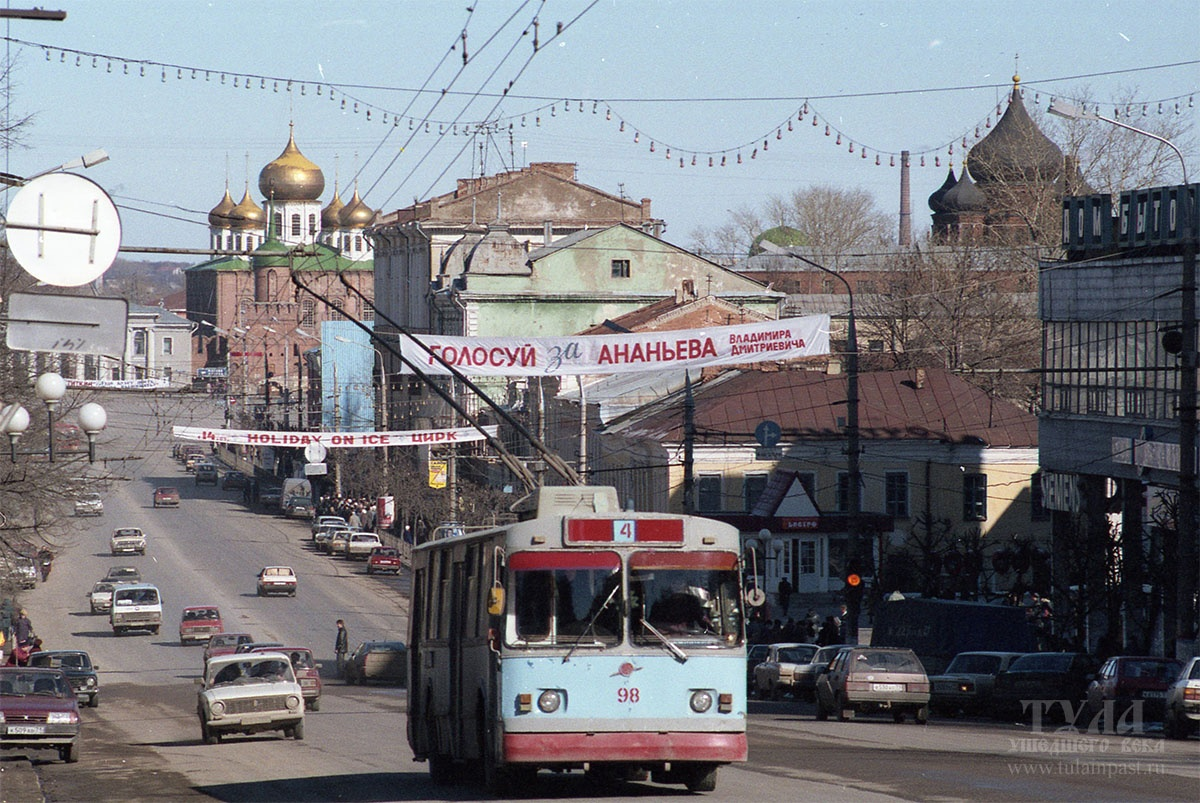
x=565, y=598
x=690, y=596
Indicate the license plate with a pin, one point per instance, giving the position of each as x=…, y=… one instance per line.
x=1158, y=695
x=26, y=730
x=887, y=687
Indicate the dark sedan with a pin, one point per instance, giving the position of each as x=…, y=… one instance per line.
x=378, y=660
x=77, y=666
x=1050, y=685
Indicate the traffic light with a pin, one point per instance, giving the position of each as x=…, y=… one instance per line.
x=853, y=588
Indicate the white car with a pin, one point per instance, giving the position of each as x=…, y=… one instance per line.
x=277, y=580
x=321, y=521
x=127, y=539
x=359, y=545
x=100, y=597
x=249, y=693
x=89, y=504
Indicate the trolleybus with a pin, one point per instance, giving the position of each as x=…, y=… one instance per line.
x=584, y=637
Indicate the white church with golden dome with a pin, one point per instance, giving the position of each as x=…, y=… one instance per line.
x=253, y=323
x=291, y=188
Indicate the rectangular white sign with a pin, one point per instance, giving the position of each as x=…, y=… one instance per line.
x=593, y=355
x=333, y=440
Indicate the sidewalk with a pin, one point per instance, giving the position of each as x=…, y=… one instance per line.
x=19, y=782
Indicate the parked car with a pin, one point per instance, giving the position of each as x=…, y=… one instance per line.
x=38, y=710
x=774, y=677
x=277, y=580
x=78, y=667
x=323, y=540
x=967, y=683
x=225, y=644
x=383, y=559
x=166, y=496
x=1183, y=703
x=100, y=597
x=199, y=623
x=127, y=539
x=89, y=504
x=269, y=496
x=299, y=507
x=250, y=693
x=20, y=570
x=123, y=574
x=1128, y=680
x=755, y=654
x=1044, y=677
x=234, y=481
x=378, y=660
x=804, y=676
x=359, y=545
x=261, y=646
x=870, y=679
x=337, y=542
x=320, y=521
x=206, y=473
x=308, y=674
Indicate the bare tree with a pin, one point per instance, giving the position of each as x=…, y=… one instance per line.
x=833, y=219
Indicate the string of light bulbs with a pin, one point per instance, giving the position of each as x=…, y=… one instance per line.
x=684, y=156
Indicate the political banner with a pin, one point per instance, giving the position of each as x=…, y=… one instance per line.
x=594, y=355
x=333, y=440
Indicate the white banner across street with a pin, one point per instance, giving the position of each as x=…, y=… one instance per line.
x=590, y=355
x=333, y=440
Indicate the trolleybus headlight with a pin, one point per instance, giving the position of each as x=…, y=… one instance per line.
x=549, y=701
x=701, y=701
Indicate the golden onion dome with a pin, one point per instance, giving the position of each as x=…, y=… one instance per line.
x=291, y=177
x=356, y=214
x=329, y=215
x=247, y=214
x=218, y=216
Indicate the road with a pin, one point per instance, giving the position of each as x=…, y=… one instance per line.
x=143, y=741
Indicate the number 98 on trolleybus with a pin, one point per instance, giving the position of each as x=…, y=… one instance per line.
x=583, y=637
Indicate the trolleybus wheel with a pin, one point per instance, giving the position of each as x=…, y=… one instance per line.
x=701, y=778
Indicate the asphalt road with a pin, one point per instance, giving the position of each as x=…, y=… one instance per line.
x=143, y=742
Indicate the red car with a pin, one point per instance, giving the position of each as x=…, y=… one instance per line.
x=166, y=496
x=383, y=559
x=38, y=709
x=226, y=644
x=307, y=673
x=1126, y=681
x=198, y=623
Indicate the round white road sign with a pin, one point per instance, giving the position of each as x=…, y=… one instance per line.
x=63, y=229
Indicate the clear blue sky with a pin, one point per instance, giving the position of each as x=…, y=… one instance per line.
x=698, y=76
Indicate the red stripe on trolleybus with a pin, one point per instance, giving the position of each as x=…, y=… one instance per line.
x=541, y=748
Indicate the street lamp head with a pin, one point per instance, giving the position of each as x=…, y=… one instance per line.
x=50, y=388
x=16, y=420
x=92, y=418
x=1069, y=111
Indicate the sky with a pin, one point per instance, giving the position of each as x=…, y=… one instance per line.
x=619, y=85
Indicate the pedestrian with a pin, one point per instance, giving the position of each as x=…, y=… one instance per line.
x=785, y=595
x=341, y=646
x=829, y=632
x=24, y=640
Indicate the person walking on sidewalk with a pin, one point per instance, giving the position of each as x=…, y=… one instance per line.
x=341, y=646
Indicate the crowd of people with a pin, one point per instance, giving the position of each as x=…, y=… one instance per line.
x=359, y=512
x=24, y=641
x=811, y=629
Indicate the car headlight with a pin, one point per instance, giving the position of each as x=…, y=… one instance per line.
x=216, y=708
x=91, y=682
x=293, y=701
x=701, y=701
x=62, y=718
x=549, y=701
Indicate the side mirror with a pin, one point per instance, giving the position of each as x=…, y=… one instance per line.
x=495, y=601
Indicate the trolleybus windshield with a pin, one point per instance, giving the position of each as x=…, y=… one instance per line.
x=566, y=598
x=689, y=597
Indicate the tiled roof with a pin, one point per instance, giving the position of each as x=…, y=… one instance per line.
x=893, y=405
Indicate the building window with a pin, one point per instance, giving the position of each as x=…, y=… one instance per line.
x=308, y=312
x=841, y=500
x=312, y=224
x=895, y=490
x=278, y=224
x=295, y=225
x=752, y=488
x=168, y=345
x=358, y=243
x=808, y=557
x=974, y=497
x=139, y=343
x=875, y=346
x=620, y=268
x=708, y=493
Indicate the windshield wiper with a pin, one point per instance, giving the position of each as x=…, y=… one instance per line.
x=671, y=646
x=592, y=623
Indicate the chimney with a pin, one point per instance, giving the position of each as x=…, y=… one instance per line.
x=905, y=202
x=547, y=232
x=919, y=379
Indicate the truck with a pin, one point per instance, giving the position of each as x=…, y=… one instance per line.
x=136, y=606
x=937, y=630
x=293, y=487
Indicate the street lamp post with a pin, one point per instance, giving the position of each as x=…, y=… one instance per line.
x=1189, y=493
x=853, y=446
x=50, y=388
